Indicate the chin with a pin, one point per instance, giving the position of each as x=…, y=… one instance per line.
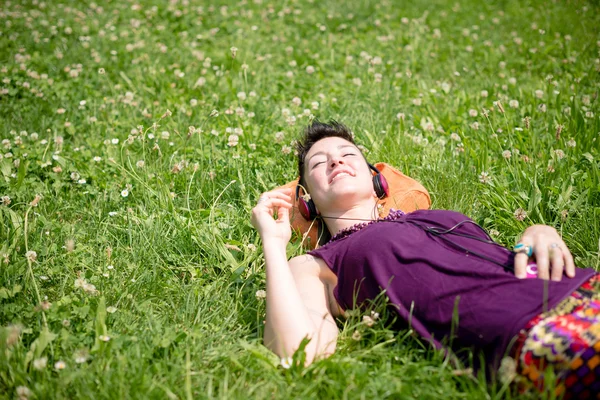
x=351, y=192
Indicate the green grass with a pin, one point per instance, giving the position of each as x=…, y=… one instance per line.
x=176, y=256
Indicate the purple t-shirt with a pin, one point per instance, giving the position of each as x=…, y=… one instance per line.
x=436, y=286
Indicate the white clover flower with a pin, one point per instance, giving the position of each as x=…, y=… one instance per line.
x=200, y=82
x=23, y=392
x=513, y=104
x=286, y=362
x=506, y=154
x=60, y=365
x=472, y=113
x=520, y=214
x=89, y=288
x=241, y=96
x=261, y=294
x=310, y=69
x=507, y=371
x=484, y=93
x=233, y=140
x=585, y=99
x=111, y=309
x=484, y=177
x=40, y=363
x=81, y=356
x=31, y=256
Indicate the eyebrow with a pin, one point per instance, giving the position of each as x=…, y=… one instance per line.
x=341, y=146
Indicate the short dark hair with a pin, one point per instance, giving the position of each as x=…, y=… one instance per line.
x=314, y=132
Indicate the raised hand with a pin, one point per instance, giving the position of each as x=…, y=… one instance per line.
x=277, y=201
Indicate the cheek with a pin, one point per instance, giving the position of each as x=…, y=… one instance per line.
x=313, y=179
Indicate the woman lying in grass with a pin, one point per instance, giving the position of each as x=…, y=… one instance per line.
x=442, y=273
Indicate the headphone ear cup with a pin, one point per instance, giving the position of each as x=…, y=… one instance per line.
x=307, y=208
x=380, y=185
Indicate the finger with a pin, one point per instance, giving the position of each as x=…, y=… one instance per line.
x=521, y=265
x=280, y=193
x=568, y=258
x=275, y=194
x=542, y=260
x=283, y=214
x=557, y=262
x=271, y=204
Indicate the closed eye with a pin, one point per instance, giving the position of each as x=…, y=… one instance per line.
x=349, y=154
x=318, y=163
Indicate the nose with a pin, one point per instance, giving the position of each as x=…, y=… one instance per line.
x=335, y=160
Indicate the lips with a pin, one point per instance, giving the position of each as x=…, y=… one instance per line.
x=343, y=172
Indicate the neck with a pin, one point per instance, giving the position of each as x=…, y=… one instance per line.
x=338, y=220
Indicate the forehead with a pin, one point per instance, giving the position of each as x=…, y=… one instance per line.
x=328, y=143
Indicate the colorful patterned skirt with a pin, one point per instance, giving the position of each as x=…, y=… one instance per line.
x=564, y=343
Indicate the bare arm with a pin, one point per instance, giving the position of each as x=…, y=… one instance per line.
x=297, y=308
x=297, y=305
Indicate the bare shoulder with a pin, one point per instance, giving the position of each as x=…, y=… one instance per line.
x=315, y=280
x=307, y=264
x=305, y=260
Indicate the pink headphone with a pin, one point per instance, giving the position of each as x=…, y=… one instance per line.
x=309, y=211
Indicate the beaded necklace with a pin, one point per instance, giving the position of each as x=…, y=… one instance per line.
x=393, y=215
